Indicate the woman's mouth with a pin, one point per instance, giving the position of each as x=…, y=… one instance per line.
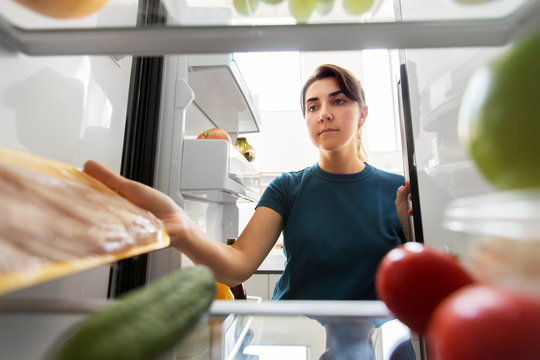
x=327, y=130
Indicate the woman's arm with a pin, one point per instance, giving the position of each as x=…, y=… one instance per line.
x=402, y=194
x=230, y=264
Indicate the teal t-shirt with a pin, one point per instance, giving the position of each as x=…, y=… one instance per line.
x=337, y=228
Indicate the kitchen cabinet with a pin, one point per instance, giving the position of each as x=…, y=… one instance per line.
x=262, y=284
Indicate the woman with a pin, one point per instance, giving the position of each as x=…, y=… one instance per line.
x=338, y=217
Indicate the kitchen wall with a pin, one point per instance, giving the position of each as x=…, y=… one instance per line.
x=275, y=81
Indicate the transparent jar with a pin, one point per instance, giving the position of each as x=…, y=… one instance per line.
x=504, y=233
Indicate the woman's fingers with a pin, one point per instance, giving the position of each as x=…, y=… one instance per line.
x=104, y=175
x=138, y=193
x=402, y=194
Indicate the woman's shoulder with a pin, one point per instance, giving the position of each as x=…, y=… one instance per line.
x=286, y=184
x=390, y=176
x=295, y=175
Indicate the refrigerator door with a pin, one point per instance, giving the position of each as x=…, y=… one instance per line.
x=432, y=85
x=69, y=109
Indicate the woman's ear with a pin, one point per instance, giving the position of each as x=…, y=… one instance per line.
x=363, y=116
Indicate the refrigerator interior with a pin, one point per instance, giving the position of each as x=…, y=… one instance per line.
x=70, y=109
x=67, y=98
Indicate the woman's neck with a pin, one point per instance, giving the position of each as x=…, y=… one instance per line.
x=336, y=163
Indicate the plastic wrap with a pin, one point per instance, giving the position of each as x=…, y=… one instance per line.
x=55, y=220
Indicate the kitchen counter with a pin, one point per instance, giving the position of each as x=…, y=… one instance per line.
x=273, y=264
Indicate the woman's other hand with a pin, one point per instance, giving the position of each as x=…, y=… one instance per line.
x=402, y=195
x=175, y=220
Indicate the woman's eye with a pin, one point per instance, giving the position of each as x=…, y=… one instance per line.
x=339, y=101
x=312, y=108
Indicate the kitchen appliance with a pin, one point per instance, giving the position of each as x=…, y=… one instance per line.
x=134, y=83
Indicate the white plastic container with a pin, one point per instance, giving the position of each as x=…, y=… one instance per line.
x=504, y=233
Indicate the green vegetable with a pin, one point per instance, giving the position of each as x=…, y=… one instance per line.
x=499, y=121
x=324, y=7
x=146, y=322
x=301, y=9
x=357, y=7
x=246, y=7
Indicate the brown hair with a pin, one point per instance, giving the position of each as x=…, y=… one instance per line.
x=351, y=87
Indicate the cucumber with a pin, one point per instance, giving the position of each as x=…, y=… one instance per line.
x=145, y=322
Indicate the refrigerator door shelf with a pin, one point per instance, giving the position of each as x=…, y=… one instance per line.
x=221, y=94
x=213, y=170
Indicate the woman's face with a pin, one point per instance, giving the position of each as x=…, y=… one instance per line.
x=332, y=118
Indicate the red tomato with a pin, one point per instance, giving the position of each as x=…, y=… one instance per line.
x=482, y=322
x=413, y=279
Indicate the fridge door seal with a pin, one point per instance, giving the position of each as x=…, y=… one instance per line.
x=140, y=146
x=410, y=166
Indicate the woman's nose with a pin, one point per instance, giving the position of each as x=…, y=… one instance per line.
x=325, y=116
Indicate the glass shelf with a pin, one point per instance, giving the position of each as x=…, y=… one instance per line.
x=214, y=26
x=240, y=329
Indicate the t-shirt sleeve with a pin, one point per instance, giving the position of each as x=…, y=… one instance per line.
x=275, y=195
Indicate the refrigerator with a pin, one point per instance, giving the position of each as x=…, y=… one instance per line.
x=132, y=85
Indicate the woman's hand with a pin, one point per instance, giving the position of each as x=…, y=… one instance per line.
x=230, y=264
x=402, y=195
x=175, y=220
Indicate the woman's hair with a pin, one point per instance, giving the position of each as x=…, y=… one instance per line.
x=351, y=87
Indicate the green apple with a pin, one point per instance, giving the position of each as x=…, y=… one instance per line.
x=324, y=7
x=301, y=9
x=499, y=118
x=246, y=7
x=273, y=2
x=357, y=7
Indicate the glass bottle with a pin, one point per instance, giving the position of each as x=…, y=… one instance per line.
x=238, y=291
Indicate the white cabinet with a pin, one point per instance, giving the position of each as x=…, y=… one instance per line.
x=261, y=285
